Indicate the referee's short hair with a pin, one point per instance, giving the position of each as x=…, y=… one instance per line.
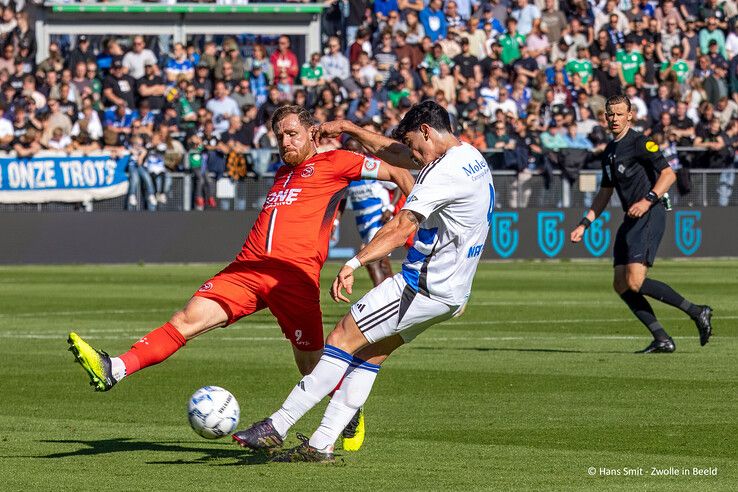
x=618, y=99
x=429, y=112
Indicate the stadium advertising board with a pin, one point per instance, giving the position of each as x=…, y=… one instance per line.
x=116, y=237
x=544, y=234
x=62, y=179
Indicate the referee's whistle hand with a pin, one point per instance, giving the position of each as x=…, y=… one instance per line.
x=639, y=208
x=576, y=234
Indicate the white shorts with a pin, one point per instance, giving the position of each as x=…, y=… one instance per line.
x=393, y=308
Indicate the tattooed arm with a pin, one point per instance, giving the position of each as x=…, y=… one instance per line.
x=391, y=236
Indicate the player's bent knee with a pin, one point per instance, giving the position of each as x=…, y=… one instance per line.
x=346, y=335
x=634, y=283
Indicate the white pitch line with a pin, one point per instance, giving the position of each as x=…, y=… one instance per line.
x=543, y=303
x=11, y=335
x=75, y=313
x=564, y=321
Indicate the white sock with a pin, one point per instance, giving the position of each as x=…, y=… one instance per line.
x=347, y=399
x=312, y=388
x=118, y=368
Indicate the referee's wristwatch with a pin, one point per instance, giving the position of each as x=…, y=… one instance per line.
x=652, y=197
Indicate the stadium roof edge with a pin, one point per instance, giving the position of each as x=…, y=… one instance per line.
x=185, y=8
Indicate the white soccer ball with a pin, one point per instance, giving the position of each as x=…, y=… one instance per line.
x=213, y=412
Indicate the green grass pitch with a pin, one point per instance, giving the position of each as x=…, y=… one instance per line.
x=534, y=385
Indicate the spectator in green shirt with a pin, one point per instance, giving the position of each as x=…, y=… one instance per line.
x=431, y=64
x=580, y=65
x=630, y=62
x=676, y=66
x=511, y=42
x=711, y=32
x=311, y=73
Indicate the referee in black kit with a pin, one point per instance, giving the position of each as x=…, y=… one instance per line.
x=634, y=166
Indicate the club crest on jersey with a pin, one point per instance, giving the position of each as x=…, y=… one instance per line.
x=307, y=172
x=205, y=287
x=282, y=197
x=370, y=164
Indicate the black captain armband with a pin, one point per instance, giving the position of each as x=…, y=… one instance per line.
x=585, y=222
x=652, y=197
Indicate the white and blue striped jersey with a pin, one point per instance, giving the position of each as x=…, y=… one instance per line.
x=456, y=197
x=368, y=199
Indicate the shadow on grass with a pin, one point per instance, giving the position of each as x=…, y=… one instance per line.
x=127, y=445
x=554, y=351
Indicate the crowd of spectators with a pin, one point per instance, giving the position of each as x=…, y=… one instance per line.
x=524, y=80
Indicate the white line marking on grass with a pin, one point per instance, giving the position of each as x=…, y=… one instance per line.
x=563, y=321
x=32, y=336
x=39, y=314
x=542, y=303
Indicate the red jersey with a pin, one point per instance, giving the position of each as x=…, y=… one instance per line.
x=294, y=225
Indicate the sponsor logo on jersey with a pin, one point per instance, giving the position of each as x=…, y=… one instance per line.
x=282, y=197
x=412, y=199
x=652, y=146
x=475, y=167
x=205, y=287
x=360, y=307
x=475, y=251
x=621, y=168
x=307, y=172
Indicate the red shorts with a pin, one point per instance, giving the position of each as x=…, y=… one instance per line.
x=292, y=295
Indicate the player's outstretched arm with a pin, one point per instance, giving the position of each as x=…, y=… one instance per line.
x=391, y=236
x=598, y=205
x=387, y=149
x=401, y=177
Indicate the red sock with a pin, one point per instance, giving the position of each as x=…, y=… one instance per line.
x=153, y=348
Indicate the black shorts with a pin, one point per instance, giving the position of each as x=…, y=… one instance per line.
x=637, y=240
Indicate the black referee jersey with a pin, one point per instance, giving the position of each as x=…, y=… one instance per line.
x=632, y=165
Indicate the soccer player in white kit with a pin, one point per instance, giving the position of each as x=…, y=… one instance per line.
x=449, y=209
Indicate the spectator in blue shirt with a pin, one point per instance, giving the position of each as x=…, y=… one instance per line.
x=259, y=84
x=433, y=20
x=179, y=65
x=382, y=8
x=574, y=140
x=661, y=104
x=117, y=123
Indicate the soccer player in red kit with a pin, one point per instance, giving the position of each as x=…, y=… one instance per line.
x=279, y=265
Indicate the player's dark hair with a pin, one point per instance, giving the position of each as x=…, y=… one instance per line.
x=306, y=119
x=429, y=112
x=617, y=99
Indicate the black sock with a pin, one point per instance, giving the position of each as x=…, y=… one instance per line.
x=643, y=311
x=662, y=292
